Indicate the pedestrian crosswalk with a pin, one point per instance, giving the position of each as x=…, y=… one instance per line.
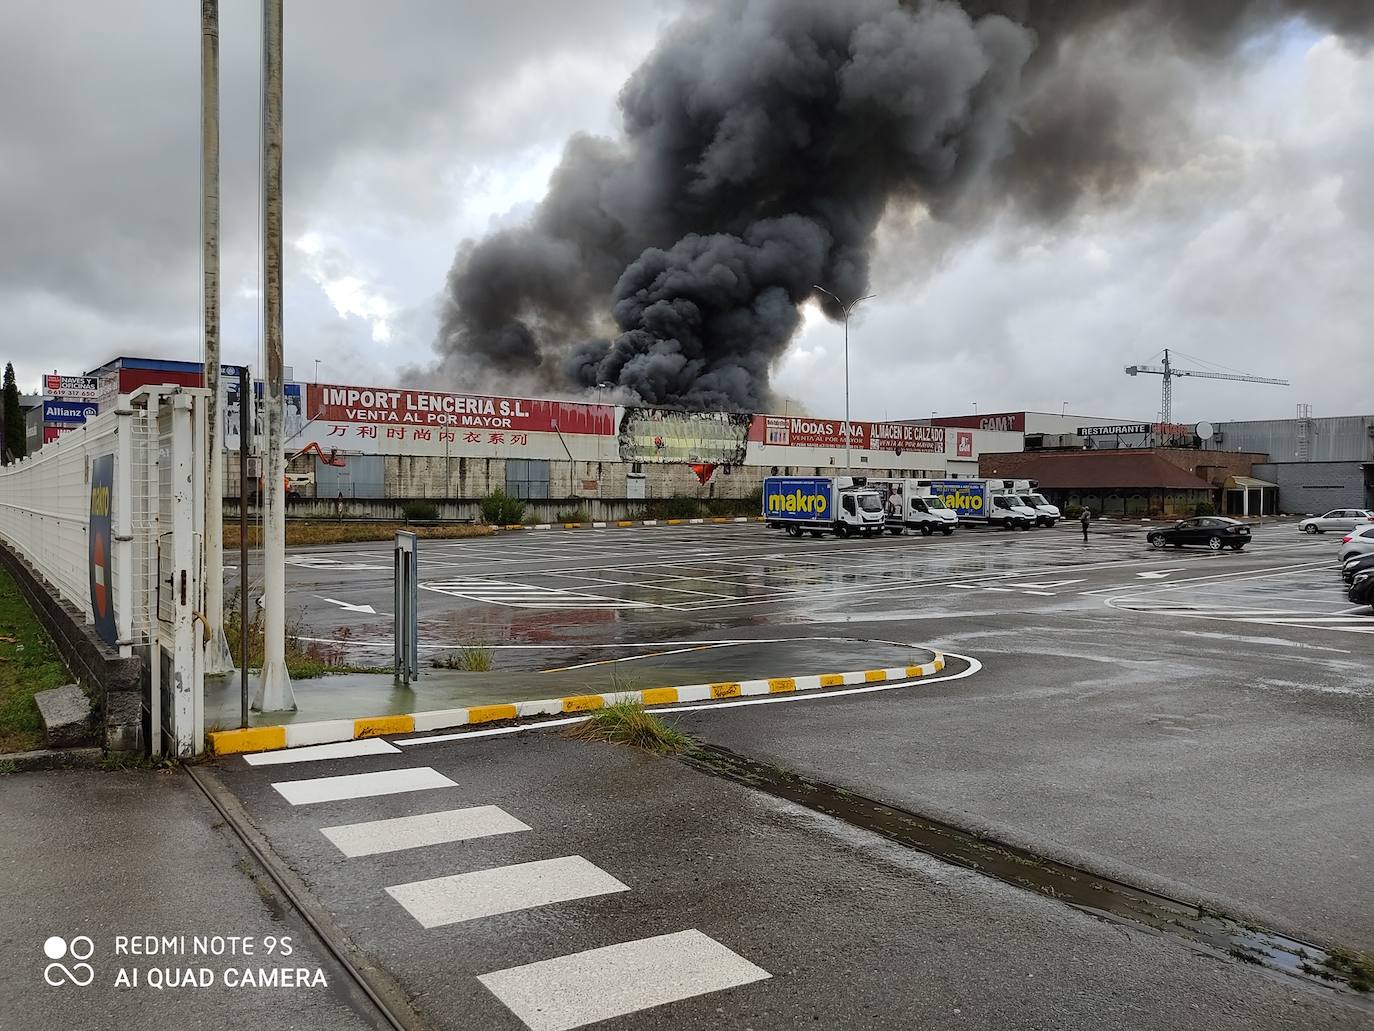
x=526, y=596
x=557, y=993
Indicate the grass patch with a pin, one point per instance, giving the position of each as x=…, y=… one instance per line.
x=471, y=658
x=1357, y=969
x=305, y=659
x=572, y=515
x=324, y=531
x=629, y=723
x=28, y=664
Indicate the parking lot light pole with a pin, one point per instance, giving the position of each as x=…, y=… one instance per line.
x=846, y=309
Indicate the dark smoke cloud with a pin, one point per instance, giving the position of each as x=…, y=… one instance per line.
x=763, y=142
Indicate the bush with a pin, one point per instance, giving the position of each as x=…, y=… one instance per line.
x=1071, y=511
x=419, y=511
x=678, y=507
x=572, y=515
x=500, y=509
x=1204, y=508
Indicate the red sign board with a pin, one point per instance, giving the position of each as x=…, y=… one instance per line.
x=963, y=444
x=387, y=406
x=783, y=431
x=1012, y=422
x=51, y=431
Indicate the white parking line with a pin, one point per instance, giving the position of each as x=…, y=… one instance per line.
x=316, y=753
x=440, y=901
x=586, y=987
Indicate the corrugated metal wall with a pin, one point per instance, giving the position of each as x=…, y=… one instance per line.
x=1337, y=439
x=1311, y=488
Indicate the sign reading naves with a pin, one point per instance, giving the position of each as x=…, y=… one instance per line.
x=71, y=388
x=70, y=412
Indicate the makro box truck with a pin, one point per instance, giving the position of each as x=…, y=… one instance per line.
x=977, y=501
x=842, y=505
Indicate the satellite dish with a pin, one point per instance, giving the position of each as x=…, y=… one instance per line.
x=1203, y=429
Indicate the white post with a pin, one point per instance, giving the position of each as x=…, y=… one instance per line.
x=121, y=529
x=185, y=684
x=274, y=688
x=149, y=414
x=217, y=656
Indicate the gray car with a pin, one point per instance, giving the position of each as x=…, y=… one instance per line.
x=1338, y=519
x=1357, y=542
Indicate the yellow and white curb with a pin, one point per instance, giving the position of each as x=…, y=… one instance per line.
x=607, y=524
x=293, y=735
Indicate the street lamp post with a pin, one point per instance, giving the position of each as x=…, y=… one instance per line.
x=846, y=309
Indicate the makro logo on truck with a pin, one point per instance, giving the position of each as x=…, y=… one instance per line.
x=797, y=498
x=967, y=499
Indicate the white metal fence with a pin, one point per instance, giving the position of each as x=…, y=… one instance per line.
x=156, y=522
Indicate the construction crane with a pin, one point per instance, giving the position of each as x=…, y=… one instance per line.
x=1169, y=372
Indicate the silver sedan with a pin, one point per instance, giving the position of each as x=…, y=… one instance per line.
x=1337, y=519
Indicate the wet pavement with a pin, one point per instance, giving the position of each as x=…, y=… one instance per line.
x=628, y=870
x=1197, y=724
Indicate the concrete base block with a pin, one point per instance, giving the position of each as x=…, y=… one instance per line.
x=124, y=722
x=66, y=715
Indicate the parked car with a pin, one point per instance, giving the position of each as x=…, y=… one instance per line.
x=1216, y=532
x=1337, y=519
x=1362, y=590
x=1355, y=565
x=1357, y=542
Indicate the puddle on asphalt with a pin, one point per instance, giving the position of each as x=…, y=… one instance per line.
x=1103, y=897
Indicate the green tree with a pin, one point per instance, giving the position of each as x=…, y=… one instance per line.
x=16, y=443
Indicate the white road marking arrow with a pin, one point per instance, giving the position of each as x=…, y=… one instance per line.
x=1157, y=574
x=365, y=609
x=1050, y=583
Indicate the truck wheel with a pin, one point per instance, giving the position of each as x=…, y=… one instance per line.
x=1025, y=525
x=793, y=531
x=926, y=531
x=841, y=530
x=947, y=531
x=1049, y=523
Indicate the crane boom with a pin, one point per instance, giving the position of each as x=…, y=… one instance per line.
x=1170, y=373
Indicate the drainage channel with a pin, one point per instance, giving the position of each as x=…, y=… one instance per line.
x=1333, y=969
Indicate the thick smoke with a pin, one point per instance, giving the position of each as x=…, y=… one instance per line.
x=763, y=140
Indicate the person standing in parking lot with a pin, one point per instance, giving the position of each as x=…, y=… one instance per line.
x=1085, y=517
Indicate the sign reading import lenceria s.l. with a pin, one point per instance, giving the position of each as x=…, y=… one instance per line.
x=98, y=546
x=396, y=407
x=75, y=412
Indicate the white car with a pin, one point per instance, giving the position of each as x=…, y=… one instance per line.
x=1357, y=542
x=1337, y=519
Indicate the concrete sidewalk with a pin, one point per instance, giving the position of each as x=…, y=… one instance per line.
x=134, y=853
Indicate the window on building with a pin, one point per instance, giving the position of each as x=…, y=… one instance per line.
x=636, y=467
x=527, y=477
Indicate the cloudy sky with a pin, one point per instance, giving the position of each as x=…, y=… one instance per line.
x=410, y=127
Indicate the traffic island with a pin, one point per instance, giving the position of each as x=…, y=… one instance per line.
x=319, y=732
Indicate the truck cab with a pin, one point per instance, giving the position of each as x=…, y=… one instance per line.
x=861, y=511
x=1045, y=513
x=1010, y=512
x=910, y=505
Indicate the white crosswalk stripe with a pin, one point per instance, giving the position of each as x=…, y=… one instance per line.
x=503, y=889
x=361, y=785
x=317, y=753
x=377, y=836
x=571, y=991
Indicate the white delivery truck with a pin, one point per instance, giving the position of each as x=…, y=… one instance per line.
x=1023, y=491
x=984, y=502
x=843, y=505
x=912, y=505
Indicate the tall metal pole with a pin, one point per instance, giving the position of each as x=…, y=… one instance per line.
x=274, y=687
x=846, y=309
x=245, y=602
x=217, y=657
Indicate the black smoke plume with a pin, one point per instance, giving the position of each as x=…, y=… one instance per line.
x=763, y=141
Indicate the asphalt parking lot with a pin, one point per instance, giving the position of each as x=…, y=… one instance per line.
x=1195, y=723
